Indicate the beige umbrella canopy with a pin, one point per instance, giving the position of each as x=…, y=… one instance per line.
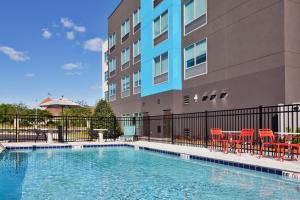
x=60, y=103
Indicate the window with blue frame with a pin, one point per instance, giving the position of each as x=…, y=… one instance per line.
x=160, y=24
x=193, y=10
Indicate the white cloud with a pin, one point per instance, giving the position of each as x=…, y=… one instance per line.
x=29, y=75
x=68, y=23
x=14, y=55
x=73, y=73
x=46, y=33
x=70, y=35
x=71, y=66
x=80, y=29
x=93, y=44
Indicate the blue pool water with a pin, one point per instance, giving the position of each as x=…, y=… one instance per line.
x=125, y=173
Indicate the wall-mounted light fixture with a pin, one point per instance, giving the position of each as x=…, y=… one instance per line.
x=205, y=96
x=223, y=94
x=213, y=95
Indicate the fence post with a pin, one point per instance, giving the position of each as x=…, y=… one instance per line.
x=16, y=127
x=206, y=128
x=149, y=129
x=172, y=129
x=260, y=117
x=115, y=127
x=66, y=130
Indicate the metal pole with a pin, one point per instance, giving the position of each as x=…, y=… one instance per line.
x=172, y=130
x=206, y=128
x=260, y=117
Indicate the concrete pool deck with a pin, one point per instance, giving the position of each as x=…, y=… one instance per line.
x=251, y=160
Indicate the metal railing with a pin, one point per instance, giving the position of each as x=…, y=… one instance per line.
x=192, y=129
x=16, y=128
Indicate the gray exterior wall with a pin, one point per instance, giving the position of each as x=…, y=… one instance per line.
x=292, y=50
x=245, y=54
x=131, y=104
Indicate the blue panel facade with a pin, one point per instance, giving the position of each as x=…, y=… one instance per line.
x=172, y=45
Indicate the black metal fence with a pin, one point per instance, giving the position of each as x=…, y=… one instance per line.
x=193, y=129
x=14, y=128
x=185, y=129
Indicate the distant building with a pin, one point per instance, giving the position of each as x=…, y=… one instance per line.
x=57, y=106
x=53, y=111
x=105, y=70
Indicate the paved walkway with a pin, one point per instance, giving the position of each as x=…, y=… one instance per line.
x=293, y=166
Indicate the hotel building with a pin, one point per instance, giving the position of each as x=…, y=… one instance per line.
x=180, y=56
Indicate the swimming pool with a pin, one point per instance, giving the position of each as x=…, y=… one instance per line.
x=126, y=173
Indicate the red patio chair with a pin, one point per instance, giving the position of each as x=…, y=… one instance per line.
x=267, y=138
x=289, y=143
x=246, y=136
x=218, y=137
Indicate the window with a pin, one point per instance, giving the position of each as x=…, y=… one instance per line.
x=106, y=56
x=125, y=56
x=112, y=40
x=106, y=95
x=193, y=10
x=160, y=24
x=125, y=83
x=125, y=28
x=194, y=15
x=106, y=76
x=136, y=17
x=125, y=86
x=137, y=78
x=136, y=48
x=195, y=54
x=112, y=66
x=195, y=59
x=112, y=89
x=161, y=64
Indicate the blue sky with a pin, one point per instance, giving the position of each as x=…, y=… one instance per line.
x=52, y=46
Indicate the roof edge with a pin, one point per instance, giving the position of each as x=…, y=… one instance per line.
x=115, y=9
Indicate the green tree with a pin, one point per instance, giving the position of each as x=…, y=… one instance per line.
x=78, y=112
x=105, y=118
x=27, y=116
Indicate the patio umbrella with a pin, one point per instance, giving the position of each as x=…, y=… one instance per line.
x=60, y=103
